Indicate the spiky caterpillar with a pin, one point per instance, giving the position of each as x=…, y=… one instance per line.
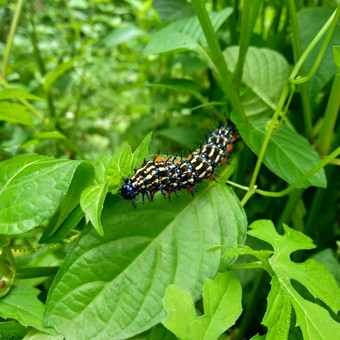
x=168, y=176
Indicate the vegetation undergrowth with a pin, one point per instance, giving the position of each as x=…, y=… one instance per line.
x=255, y=255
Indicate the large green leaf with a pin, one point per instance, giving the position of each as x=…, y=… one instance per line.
x=310, y=21
x=185, y=34
x=118, y=281
x=15, y=113
x=288, y=155
x=222, y=307
x=33, y=186
x=23, y=305
x=265, y=73
x=173, y=9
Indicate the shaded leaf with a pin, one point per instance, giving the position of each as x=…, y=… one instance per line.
x=12, y=330
x=310, y=21
x=141, y=151
x=265, y=73
x=288, y=155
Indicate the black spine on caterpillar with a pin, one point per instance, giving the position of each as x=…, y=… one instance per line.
x=169, y=176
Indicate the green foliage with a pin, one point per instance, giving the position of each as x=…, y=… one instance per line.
x=222, y=307
x=283, y=296
x=82, y=84
x=138, y=262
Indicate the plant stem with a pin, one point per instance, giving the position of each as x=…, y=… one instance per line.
x=330, y=23
x=303, y=178
x=277, y=112
x=217, y=57
x=9, y=43
x=307, y=112
x=32, y=272
x=323, y=143
x=243, y=45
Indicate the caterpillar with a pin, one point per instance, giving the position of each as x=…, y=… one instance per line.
x=170, y=175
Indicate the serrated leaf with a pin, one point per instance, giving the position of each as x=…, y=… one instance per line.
x=92, y=200
x=222, y=307
x=288, y=155
x=32, y=187
x=15, y=113
x=126, y=272
x=142, y=151
x=265, y=74
x=314, y=276
x=185, y=34
x=13, y=93
x=23, y=305
x=310, y=21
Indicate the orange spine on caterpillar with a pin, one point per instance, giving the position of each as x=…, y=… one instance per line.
x=170, y=175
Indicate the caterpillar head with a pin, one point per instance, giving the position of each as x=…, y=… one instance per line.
x=128, y=192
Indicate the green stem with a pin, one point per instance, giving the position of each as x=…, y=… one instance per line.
x=247, y=265
x=243, y=44
x=307, y=112
x=323, y=143
x=289, y=208
x=13, y=28
x=32, y=272
x=303, y=178
x=331, y=24
x=217, y=57
x=277, y=112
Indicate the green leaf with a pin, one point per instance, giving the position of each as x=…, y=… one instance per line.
x=82, y=178
x=180, y=85
x=122, y=34
x=15, y=113
x=71, y=221
x=12, y=330
x=23, y=305
x=52, y=76
x=181, y=134
x=126, y=272
x=336, y=53
x=125, y=161
x=278, y=314
x=313, y=275
x=100, y=165
x=310, y=21
x=265, y=74
x=288, y=155
x=92, y=200
x=34, y=334
x=142, y=151
x=222, y=307
x=13, y=93
x=48, y=135
x=32, y=188
x=327, y=258
x=185, y=34
x=173, y=9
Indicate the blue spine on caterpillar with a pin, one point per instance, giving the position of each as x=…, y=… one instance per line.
x=170, y=175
